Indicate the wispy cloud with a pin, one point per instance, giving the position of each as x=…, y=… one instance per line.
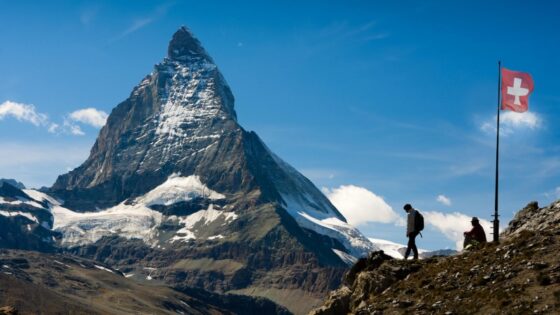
x=360, y=206
x=513, y=121
x=90, y=116
x=71, y=128
x=23, y=112
x=29, y=114
x=363, y=32
x=136, y=25
x=444, y=200
x=67, y=127
x=141, y=22
x=311, y=42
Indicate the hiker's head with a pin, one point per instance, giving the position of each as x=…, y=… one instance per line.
x=407, y=207
x=474, y=221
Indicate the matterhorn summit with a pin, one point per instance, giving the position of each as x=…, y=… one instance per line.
x=176, y=191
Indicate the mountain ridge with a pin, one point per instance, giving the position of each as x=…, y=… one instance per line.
x=175, y=190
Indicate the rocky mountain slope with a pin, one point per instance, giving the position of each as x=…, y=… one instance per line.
x=175, y=190
x=520, y=275
x=25, y=223
x=38, y=283
x=12, y=182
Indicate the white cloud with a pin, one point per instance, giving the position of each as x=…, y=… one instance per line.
x=443, y=200
x=28, y=113
x=142, y=22
x=452, y=225
x=23, y=112
x=512, y=121
x=90, y=116
x=53, y=128
x=136, y=25
x=359, y=205
x=69, y=127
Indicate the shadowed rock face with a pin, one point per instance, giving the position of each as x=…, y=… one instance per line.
x=184, y=46
x=12, y=182
x=24, y=222
x=180, y=119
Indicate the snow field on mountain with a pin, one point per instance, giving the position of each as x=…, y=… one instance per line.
x=326, y=224
x=136, y=219
x=40, y=196
x=190, y=97
x=176, y=189
x=21, y=201
x=312, y=211
x=204, y=217
x=129, y=221
x=14, y=213
x=347, y=258
x=24, y=201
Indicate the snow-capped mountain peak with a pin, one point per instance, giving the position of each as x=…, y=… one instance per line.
x=235, y=202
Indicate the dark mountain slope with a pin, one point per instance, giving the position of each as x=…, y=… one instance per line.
x=38, y=283
x=25, y=223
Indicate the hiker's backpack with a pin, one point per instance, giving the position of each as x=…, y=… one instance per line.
x=418, y=222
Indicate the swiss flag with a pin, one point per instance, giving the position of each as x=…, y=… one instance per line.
x=516, y=87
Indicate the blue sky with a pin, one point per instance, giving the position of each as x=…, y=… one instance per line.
x=397, y=98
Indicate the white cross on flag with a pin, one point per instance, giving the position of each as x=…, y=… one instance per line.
x=516, y=87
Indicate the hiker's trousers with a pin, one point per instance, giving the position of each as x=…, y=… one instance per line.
x=411, y=245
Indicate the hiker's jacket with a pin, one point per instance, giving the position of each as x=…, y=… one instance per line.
x=411, y=218
x=477, y=233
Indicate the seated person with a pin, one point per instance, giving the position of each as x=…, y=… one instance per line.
x=475, y=236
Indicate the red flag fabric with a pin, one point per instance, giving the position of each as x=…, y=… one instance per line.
x=516, y=87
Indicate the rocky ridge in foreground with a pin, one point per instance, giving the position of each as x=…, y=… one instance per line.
x=518, y=276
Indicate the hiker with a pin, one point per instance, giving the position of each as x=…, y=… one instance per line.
x=475, y=236
x=415, y=224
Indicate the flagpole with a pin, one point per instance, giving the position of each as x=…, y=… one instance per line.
x=496, y=220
